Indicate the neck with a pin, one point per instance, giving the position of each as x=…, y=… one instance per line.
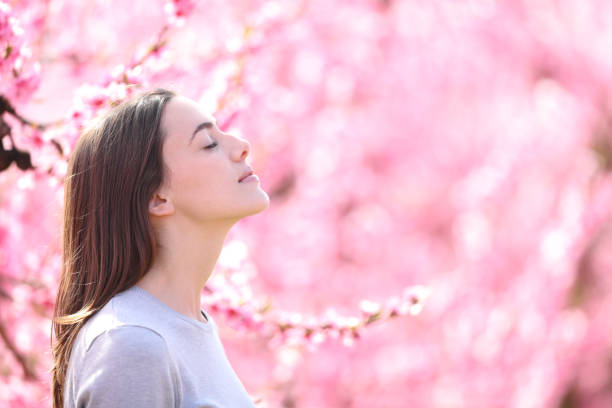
x=186, y=257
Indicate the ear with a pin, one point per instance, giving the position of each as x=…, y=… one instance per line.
x=160, y=205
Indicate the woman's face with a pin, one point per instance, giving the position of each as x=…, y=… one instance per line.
x=205, y=165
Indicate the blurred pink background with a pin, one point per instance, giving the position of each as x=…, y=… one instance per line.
x=464, y=147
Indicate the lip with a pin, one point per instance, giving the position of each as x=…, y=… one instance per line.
x=248, y=179
x=247, y=173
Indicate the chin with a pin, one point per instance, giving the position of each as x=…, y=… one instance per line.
x=254, y=207
x=264, y=205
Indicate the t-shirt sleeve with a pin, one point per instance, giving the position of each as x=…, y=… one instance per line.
x=129, y=366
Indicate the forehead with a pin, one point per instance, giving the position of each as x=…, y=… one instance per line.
x=182, y=115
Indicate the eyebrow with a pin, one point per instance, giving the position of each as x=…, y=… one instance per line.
x=203, y=125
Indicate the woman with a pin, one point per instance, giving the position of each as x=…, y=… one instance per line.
x=151, y=192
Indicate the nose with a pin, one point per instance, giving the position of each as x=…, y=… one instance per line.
x=243, y=148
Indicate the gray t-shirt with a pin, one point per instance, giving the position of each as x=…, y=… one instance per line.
x=138, y=352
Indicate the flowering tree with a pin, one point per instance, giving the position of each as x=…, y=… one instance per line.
x=455, y=151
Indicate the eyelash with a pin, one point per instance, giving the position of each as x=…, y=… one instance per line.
x=214, y=144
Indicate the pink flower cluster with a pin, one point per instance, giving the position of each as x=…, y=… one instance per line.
x=19, y=76
x=178, y=10
x=235, y=303
x=91, y=100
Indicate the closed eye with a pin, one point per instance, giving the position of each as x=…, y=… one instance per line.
x=210, y=146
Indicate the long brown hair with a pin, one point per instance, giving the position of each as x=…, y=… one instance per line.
x=108, y=241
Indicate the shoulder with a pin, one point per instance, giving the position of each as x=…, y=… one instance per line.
x=132, y=361
x=135, y=338
x=118, y=323
x=135, y=349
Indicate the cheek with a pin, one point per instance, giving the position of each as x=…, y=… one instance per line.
x=189, y=177
x=200, y=182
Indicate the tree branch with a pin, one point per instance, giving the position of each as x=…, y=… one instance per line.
x=21, y=359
